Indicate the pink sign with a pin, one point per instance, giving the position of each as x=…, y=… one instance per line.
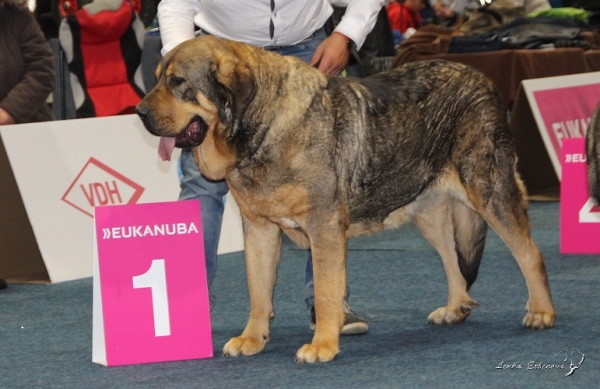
x=566, y=112
x=153, y=282
x=579, y=216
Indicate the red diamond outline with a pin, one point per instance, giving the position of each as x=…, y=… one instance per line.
x=138, y=189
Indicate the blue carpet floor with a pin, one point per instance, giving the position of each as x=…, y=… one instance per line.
x=396, y=280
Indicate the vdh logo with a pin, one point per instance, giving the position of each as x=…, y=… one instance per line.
x=97, y=184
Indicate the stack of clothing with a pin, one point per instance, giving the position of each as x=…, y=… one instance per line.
x=503, y=42
x=501, y=25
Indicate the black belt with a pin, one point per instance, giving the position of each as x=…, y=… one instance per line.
x=307, y=39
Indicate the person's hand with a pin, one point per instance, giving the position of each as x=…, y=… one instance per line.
x=332, y=55
x=5, y=117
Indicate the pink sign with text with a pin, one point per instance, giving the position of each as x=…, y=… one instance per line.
x=579, y=216
x=152, y=279
x=566, y=113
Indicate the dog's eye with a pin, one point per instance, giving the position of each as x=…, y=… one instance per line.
x=176, y=81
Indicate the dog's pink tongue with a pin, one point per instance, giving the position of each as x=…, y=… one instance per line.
x=165, y=148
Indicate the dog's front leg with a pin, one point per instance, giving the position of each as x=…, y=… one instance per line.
x=328, y=245
x=263, y=247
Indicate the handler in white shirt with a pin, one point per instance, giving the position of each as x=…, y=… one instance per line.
x=289, y=27
x=269, y=23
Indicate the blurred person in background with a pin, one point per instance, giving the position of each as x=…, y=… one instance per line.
x=448, y=11
x=26, y=68
x=404, y=17
x=532, y=5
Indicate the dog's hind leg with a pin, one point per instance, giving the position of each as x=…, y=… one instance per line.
x=505, y=209
x=458, y=234
x=263, y=247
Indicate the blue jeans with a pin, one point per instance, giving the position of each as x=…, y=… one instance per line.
x=211, y=193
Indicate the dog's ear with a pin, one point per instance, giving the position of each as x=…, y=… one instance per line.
x=237, y=81
x=158, y=70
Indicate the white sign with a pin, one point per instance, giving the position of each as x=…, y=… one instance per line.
x=65, y=168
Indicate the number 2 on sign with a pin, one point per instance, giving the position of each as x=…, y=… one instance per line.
x=156, y=279
x=587, y=214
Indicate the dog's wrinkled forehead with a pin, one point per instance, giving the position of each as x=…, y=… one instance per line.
x=179, y=63
x=197, y=59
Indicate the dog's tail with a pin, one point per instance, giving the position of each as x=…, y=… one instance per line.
x=470, y=231
x=593, y=155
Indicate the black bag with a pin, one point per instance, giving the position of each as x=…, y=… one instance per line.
x=589, y=5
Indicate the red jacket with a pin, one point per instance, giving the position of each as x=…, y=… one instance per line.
x=401, y=18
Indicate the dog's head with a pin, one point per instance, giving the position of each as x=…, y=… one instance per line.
x=204, y=87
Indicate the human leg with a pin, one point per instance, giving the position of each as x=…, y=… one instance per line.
x=353, y=324
x=210, y=193
x=303, y=50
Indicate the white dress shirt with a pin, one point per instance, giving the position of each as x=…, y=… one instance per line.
x=253, y=21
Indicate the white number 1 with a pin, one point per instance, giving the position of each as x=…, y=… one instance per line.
x=156, y=279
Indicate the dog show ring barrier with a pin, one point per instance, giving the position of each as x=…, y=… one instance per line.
x=59, y=171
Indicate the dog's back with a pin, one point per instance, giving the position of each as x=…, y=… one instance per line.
x=413, y=123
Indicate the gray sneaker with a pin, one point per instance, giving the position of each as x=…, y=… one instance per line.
x=353, y=324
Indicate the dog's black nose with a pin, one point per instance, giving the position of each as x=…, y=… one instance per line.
x=142, y=113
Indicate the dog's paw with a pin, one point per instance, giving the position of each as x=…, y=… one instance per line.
x=311, y=353
x=539, y=320
x=243, y=345
x=447, y=315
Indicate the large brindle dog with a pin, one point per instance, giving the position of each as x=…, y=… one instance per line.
x=324, y=159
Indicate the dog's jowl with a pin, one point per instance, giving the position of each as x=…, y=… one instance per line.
x=325, y=159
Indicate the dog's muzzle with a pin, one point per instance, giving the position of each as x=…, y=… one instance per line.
x=144, y=114
x=193, y=135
